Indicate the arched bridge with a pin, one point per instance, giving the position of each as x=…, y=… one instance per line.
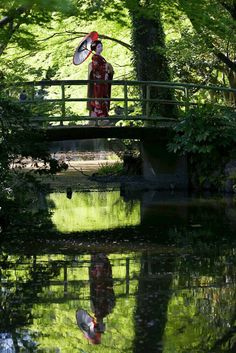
x=139, y=109
x=144, y=110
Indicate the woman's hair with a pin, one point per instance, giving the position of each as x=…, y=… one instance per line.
x=95, y=44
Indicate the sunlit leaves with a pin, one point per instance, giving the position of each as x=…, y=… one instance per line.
x=15, y=14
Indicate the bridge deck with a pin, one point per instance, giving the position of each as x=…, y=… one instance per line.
x=59, y=133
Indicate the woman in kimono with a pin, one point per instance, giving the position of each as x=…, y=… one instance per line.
x=99, y=69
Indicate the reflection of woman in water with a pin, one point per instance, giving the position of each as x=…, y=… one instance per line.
x=101, y=286
x=102, y=298
x=99, y=69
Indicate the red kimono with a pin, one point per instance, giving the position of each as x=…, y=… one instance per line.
x=99, y=69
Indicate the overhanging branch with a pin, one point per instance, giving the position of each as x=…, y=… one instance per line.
x=9, y=18
x=231, y=8
x=82, y=34
x=220, y=55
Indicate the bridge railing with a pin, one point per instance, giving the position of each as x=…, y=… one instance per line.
x=72, y=280
x=59, y=102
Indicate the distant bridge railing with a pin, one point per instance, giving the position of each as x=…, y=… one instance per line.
x=59, y=102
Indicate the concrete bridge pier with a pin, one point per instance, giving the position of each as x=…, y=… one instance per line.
x=167, y=170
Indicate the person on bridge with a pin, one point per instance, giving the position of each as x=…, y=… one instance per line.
x=23, y=96
x=99, y=69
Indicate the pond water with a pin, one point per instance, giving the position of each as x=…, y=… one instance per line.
x=150, y=272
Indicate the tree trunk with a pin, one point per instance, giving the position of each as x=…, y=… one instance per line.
x=149, y=58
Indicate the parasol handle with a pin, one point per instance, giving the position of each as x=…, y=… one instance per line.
x=90, y=51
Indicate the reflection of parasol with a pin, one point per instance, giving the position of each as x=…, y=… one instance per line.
x=88, y=326
x=84, y=48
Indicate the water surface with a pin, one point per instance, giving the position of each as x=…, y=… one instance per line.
x=168, y=286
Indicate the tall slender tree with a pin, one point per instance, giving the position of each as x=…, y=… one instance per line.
x=149, y=52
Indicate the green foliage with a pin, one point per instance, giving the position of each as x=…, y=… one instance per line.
x=204, y=129
x=23, y=152
x=200, y=44
x=200, y=35
x=110, y=169
x=16, y=17
x=213, y=22
x=207, y=135
x=18, y=139
x=190, y=60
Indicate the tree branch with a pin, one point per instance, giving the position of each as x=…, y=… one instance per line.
x=230, y=8
x=8, y=19
x=101, y=36
x=229, y=63
x=221, y=56
x=10, y=34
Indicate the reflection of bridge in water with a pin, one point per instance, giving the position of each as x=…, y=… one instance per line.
x=136, y=269
x=130, y=268
x=161, y=286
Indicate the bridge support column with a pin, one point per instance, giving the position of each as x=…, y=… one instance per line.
x=163, y=168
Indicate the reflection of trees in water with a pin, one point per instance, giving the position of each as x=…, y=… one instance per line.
x=19, y=293
x=152, y=303
x=69, y=289
x=216, y=217
x=184, y=299
x=207, y=286
x=93, y=211
x=228, y=340
x=187, y=303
